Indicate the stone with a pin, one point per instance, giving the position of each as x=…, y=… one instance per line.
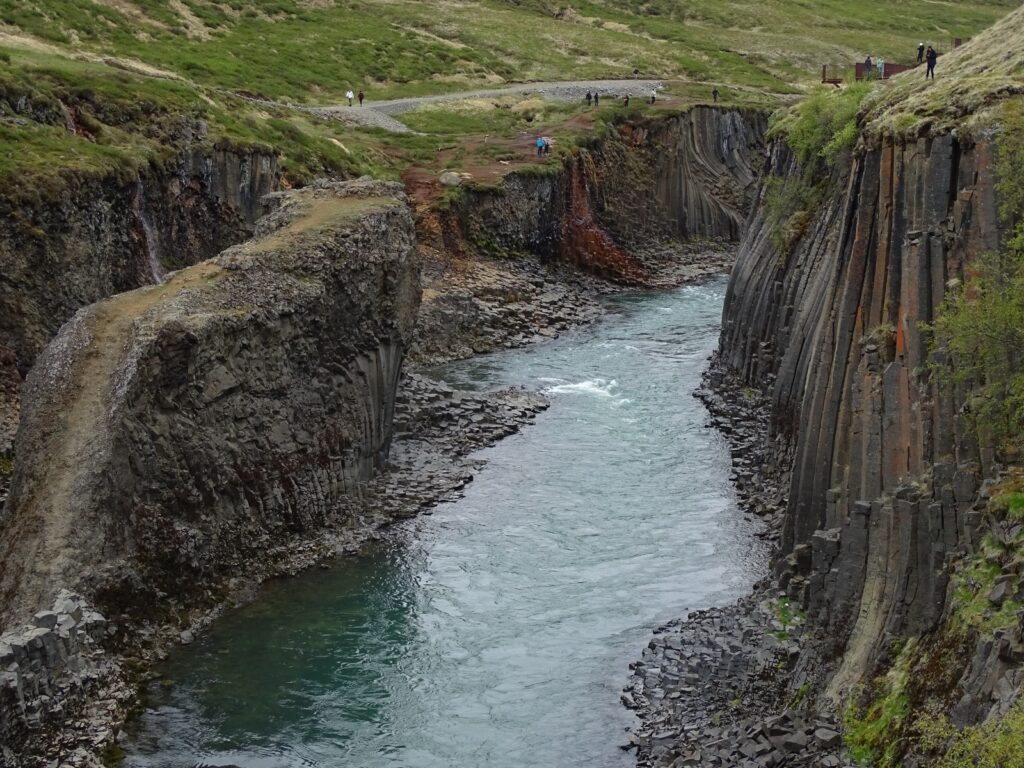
x=999, y=593
x=827, y=738
x=449, y=179
x=45, y=619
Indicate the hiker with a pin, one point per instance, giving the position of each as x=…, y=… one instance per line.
x=540, y=146
x=869, y=68
x=880, y=63
x=714, y=95
x=931, y=57
x=625, y=101
x=636, y=73
x=361, y=97
x=597, y=99
x=920, y=53
x=654, y=96
x=349, y=95
x=547, y=146
x=590, y=98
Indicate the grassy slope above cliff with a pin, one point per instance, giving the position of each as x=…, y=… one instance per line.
x=136, y=75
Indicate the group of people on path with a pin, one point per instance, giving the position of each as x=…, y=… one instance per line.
x=925, y=55
x=349, y=95
x=595, y=98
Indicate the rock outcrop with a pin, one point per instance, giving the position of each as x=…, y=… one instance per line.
x=92, y=236
x=667, y=179
x=171, y=433
x=884, y=477
x=888, y=497
x=97, y=235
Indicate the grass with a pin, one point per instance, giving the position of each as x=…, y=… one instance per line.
x=786, y=616
x=139, y=74
x=407, y=47
x=968, y=90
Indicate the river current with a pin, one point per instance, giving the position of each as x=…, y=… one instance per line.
x=496, y=632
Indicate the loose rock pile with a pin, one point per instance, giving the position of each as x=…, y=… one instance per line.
x=437, y=428
x=708, y=690
x=500, y=305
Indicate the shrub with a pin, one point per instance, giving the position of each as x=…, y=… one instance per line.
x=998, y=743
x=818, y=131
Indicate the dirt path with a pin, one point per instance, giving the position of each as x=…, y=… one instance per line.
x=381, y=114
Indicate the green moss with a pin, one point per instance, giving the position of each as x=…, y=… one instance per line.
x=997, y=744
x=873, y=730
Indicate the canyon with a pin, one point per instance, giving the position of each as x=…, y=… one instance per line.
x=185, y=436
x=258, y=389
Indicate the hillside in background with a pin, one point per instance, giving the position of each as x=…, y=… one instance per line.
x=109, y=85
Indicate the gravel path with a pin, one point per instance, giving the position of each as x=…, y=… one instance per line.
x=380, y=114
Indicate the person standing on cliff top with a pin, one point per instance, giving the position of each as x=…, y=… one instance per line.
x=361, y=97
x=880, y=63
x=869, y=68
x=590, y=98
x=597, y=99
x=714, y=95
x=931, y=57
x=349, y=95
x=920, y=53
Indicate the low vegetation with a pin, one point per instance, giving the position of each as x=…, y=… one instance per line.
x=124, y=80
x=995, y=744
x=874, y=720
x=819, y=130
x=978, y=336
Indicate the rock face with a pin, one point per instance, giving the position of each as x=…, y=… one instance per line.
x=687, y=176
x=97, y=236
x=884, y=476
x=171, y=433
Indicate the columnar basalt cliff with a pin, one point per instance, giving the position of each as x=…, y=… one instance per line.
x=653, y=202
x=644, y=184
x=171, y=433
x=888, y=491
x=95, y=236
x=884, y=477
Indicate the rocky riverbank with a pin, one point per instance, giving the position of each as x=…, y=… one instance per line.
x=715, y=688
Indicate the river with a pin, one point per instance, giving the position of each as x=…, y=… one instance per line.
x=496, y=632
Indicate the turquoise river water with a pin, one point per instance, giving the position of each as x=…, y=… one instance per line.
x=497, y=632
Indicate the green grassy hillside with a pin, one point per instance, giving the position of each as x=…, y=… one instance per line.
x=133, y=72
